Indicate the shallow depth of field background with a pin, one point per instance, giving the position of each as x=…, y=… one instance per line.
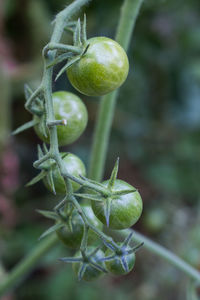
x=156, y=133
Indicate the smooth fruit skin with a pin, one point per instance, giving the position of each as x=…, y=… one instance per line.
x=102, y=69
x=115, y=267
x=74, y=166
x=125, y=210
x=70, y=107
x=72, y=239
x=90, y=273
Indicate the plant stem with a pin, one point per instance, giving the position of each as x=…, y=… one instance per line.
x=28, y=263
x=129, y=13
x=164, y=253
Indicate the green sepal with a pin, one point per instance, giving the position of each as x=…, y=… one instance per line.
x=136, y=248
x=124, y=263
x=77, y=34
x=113, y=176
x=107, y=210
x=59, y=59
x=84, y=31
x=50, y=230
x=27, y=91
x=48, y=214
x=71, y=259
x=123, y=192
x=45, y=148
x=43, y=127
x=81, y=271
x=37, y=178
x=68, y=64
x=92, y=197
x=92, y=181
x=40, y=152
x=25, y=127
x=51, y=181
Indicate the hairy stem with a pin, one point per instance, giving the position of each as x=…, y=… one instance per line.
x=129, y=13
x=164, y=253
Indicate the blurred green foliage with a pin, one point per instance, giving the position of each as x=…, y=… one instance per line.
x=156, y=133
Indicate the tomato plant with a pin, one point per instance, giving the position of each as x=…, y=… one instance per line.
x=73, y=165
x=72, y=238
x=125, y=209
x=90, y=273
x=115, y=265
x=102, y=69
x=69, y=107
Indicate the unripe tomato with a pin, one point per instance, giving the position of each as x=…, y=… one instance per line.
x=70, y=107
x=114, y=265
x=91, y=273
x=72, y=239
x=102, y=69
x=125, y=209
x=73, y=165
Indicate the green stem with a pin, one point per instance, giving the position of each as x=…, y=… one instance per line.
x=164, y=253
x=129, y=13
x=28, y=263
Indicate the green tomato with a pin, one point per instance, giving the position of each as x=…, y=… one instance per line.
x=114, y=265
x=73, y=166
x=90, y=273
x=102, y=69
x=70, y=107
x=72, y=239
x=125, y=210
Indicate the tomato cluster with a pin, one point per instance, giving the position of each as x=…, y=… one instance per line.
x=101, y=68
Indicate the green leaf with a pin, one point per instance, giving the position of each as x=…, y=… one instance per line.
x=25, y=127
x=113, y=176
x=37, y=178
x=68, y=64
x=51, y=229
x=48, y=214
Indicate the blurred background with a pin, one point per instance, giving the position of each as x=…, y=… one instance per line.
x=156, y=133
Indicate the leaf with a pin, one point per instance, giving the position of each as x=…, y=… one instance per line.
x=51, y=229
x=37, y=178
x=25, y=127
x=68, y=64
x=59, y=59
x=48, y=214
x=113, y=176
